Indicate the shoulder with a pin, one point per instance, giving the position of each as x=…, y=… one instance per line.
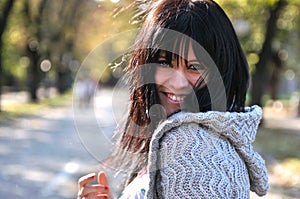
x=137, y=188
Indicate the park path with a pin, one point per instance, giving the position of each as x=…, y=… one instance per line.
x=43, y=155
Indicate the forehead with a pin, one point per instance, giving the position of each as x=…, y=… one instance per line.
x=183, y=53
x=179, y=47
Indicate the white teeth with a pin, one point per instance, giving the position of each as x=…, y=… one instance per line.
x=176, y=98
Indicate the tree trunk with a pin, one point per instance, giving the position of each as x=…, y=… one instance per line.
x=277, y=66
x=33, y=47
x=64, y=79
x=1, y=72
x=3, y=22
x=260, y=77
x=33, y=73
x=71, y=20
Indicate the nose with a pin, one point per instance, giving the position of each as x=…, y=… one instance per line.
x=179, y=80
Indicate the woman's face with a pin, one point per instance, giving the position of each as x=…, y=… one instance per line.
x=176, y=79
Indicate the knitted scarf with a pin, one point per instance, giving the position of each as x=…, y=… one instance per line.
x=207, y=155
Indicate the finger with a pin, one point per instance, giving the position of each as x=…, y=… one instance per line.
x=103, y=196
x=102, y=179
x=96, y=196
x=84, y=180
x=93, y=189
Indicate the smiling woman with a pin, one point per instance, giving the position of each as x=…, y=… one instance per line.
x=188, y=133
x=176, y=78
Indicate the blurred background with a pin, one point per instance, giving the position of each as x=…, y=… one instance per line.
x=43, y=45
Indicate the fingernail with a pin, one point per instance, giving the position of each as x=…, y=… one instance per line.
x=106, y=188
x=105, y=197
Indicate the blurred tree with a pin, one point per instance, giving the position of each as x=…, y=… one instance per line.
x=5, y=11
x=268, y=33
x=51, y=28
x=260, y=76
x=62, y=33
x=60, y=30
x=33, y=20
x=14, y=42
x=102, y=34
x=52, y=39
x=275, y=74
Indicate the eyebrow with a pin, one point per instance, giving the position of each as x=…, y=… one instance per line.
x=191, y=61
x=164, y=57
x=194, y=60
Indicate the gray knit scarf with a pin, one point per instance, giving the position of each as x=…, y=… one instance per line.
x=207, y=155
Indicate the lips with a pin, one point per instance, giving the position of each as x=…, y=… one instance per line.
x=175, y=98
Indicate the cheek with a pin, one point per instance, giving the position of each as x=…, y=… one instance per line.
x=158, y=78
x=162, y=75
x=193, y=78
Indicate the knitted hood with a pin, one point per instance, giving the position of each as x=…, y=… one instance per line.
x=207, y=155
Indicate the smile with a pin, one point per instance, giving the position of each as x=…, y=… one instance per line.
x=175, y=98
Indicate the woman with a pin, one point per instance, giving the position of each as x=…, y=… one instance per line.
x=187, y=59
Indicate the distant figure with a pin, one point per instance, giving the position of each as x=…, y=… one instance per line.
x=83, y=92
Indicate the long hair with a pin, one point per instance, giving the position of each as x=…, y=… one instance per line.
x=201, y=21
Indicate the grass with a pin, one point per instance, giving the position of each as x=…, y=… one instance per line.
x=280, y=148
x=279, y=143
x=15, y=110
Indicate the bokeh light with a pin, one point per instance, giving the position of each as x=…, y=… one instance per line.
x=45, y=65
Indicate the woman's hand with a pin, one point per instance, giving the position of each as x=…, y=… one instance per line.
x=95, y=191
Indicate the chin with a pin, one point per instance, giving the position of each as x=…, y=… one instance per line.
x=169, y=113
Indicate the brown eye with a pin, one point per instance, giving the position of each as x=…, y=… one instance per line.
x=164, y=64
x=196, y=67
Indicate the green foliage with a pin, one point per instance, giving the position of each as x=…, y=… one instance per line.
x=14, y=40
x=96, y=21
x=256, y=13
x=105, y=36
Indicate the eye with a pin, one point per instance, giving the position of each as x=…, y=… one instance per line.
x=164, y=64
x=196, y=67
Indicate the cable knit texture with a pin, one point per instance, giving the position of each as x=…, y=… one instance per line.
x=207, y=155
